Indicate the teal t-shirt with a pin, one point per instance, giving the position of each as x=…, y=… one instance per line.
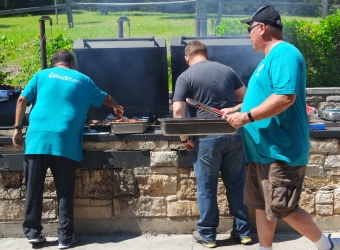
x=60, y=99
x=283, y=137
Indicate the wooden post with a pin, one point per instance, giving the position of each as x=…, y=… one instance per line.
x=324, y=9
x=105, y=10
x=69, y=14
x=201, y=13
x=56, y=12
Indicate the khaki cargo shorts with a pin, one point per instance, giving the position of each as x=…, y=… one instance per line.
x=275, y=188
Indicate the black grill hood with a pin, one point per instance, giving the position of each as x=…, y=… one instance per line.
x=132, y=70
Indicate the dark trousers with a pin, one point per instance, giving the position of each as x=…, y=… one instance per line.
x=63, y=170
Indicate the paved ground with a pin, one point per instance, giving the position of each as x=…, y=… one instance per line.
x=158, y=242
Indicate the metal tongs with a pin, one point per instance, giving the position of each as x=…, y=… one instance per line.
x=204, y=107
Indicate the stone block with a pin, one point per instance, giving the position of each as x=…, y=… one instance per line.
x=164, y=170
x=49, y=188
x=142, y=207
x=324, y=210
x=314, y=183
x=186, y=172
x=10, y=193
x=315, y=171
x=141, y=171
x=92, y=209
x=182, y=208
x=49, y=209
x=10, y=179
x=332, y=161
x=337, y=200
x=307, y=202
x=12, y=210
x=221, y=188
x=333, y=181
x=176, y=145
x=324, y=145
x=187, y=190
x=103, y=146
x=316, y=159
x=324, y=197
x=171, y=198
x=141, y=145
x=314, y=98
x=223, y=205
x=163, y=159
x=328, y=105
x=157, y=184
x=109, y=183
x=333, y=98
x=162, y=146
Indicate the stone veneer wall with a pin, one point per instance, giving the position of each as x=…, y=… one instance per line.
x=323, y=98
x=162, y=197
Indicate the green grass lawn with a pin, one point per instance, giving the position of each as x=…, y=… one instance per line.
x=19, y=36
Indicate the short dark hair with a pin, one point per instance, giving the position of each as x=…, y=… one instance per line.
x=63, y=56
x=195, y=47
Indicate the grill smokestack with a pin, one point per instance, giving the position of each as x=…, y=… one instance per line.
x=120, y=22
x=43, y=40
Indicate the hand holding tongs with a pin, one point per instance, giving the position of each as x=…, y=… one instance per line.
x=204, y=107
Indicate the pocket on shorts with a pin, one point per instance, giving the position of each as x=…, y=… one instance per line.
x=285, y=194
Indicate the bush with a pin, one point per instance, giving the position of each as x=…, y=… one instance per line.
x=30, y=67
x=318, y=42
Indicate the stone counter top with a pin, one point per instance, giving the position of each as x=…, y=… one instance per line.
x=156, y=135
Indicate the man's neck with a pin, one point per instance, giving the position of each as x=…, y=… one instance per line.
x=62, y=65
x=197, y=59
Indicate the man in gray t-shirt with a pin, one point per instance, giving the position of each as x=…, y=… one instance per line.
x=216, y=85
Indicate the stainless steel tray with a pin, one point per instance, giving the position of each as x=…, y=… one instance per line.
x=195, y=126
x=128, y=127
x=330, y=114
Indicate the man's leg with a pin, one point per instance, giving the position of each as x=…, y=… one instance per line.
x=233, y=171
x=207, y=162
x=63, y=171
x=302, y=222
x=35, y=169
x=265, y=228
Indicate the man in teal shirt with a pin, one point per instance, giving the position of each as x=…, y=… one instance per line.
x=275, y=133
x=60, y=98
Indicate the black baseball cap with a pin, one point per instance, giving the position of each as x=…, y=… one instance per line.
x=266, y=15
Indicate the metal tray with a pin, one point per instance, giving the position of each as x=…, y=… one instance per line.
x=330, y=114
x=195, y=126
x=128, y=127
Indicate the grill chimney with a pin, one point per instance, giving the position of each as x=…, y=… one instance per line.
x=43, y=40
x=120, y=26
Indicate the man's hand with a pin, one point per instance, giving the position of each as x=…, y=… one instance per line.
x=227, y=111
x=17, y=138
x=189, y=145
x=119, y=111
x=238, y=119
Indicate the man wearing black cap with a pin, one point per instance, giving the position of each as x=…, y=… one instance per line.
x=275, y=133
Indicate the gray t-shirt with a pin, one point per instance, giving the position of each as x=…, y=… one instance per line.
x=210, y=83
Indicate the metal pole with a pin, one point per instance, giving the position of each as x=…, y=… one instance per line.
x=324, y=8
x=120, y=28
x=56, y=12
x=197, y=27
x=43, y=44
x=69, y=13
